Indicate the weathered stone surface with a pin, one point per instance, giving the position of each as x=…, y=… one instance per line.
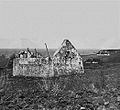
x=65, y=61
x=32, y=67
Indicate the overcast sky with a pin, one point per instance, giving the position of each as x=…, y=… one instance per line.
x=87, y=24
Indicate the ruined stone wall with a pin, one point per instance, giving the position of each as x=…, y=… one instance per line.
x=67, y=60
x=40, y=68
x=37, y=67
x=69, y=65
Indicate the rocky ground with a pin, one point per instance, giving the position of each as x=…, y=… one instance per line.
x=97, y=89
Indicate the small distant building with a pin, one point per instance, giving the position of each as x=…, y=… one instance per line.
x=108, y=52
x=103, y=53
x=92, y=61
x=67, y=60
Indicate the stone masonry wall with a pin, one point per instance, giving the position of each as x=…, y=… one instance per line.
x=65, y=61
x=32, y=67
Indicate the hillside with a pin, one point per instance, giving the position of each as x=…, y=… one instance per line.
x=97, y=88
x=93, y=89
x=113, y=58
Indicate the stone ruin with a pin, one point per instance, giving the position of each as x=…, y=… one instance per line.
x=65, y=61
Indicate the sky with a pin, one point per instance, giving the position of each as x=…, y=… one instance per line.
x=87, y=24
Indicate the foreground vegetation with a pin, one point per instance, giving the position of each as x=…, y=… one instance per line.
x=96, y=89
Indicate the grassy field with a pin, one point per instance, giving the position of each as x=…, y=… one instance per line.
x=96, y=89
x=92, y=90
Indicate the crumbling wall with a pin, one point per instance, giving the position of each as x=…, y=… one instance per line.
x=37, y=67
x=67, y=60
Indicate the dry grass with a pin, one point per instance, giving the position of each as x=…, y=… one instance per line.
x=72, y=92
